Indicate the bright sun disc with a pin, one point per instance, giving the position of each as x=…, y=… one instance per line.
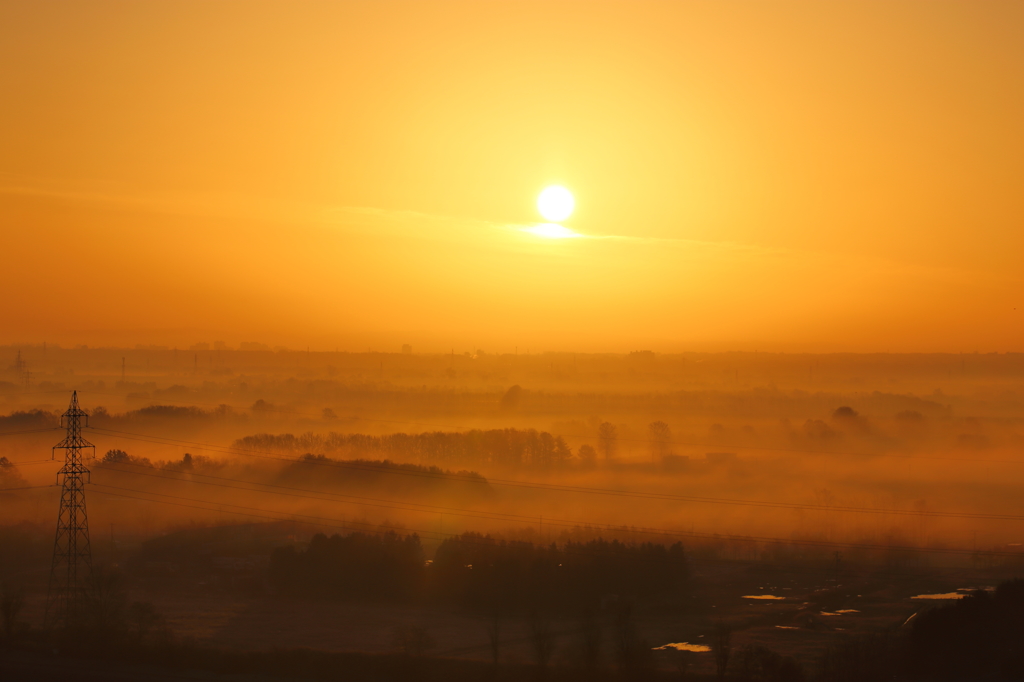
x=555, y=203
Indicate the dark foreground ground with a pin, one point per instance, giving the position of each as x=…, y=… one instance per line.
x=281, y=666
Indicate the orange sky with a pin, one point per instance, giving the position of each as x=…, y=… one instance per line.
x=756, y=175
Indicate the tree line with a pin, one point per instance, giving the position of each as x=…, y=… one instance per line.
x=977, y=637
x=499, y=447
x=480, y=572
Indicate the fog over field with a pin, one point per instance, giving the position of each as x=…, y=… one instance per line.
x=211, y=463
x=878, y=449
x=532, y=341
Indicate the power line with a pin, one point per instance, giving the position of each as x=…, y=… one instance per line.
x=33, y=461
x=24, y=487
x=571, y=489
x=18, y=433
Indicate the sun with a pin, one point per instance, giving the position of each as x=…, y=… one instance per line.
x=555, y=203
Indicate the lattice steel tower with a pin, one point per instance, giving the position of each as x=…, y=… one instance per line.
x=72, y=557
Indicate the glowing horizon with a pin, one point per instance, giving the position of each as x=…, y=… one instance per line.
x=332, y=173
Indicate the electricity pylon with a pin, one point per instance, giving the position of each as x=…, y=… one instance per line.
x=72, y=556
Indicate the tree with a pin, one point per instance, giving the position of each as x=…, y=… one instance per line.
x=660, y=439
x=542, y=638
x=10, y=477
x=562, y=453
x=873, y=656
x=634, y=653
x=588, y=456
x=845, y=412
x=11, y=603
x=723, y=649
x=682, y=659
x=116, y=457
x=143, y=618
x=510, y=401
x=494, y=638
x=608, y=436
x=759, y=664
x=974, y=638
x=413, y=640
x=590, y=629
x=106, y=598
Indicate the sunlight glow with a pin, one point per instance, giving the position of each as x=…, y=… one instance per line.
x=552, y=231
x=556, y=203
x=683, y=646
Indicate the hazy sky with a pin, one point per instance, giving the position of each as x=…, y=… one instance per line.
x=748, y=175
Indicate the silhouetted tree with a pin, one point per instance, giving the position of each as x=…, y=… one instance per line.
x=11, y=603
x=844, y=412
x=10, y=477
x=103, y=614
x=413, y=640
x=977, y=637
x=541, y=638
x=494, y=638
x=864, y=658
x=723, y=649
x=143, y=619
x=116, y=457
x=561, y=453
x=759, y=664
x=660, y=439
x=510, y=401
x=607, y=436
x=588, y=456
x=122, y=457
x=355, y=566
x=681, y=659
x=590, y=630
x=634, y=654
x=502, y=447
x=481, y=572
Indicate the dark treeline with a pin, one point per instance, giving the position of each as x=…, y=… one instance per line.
x=28, y=420
x=975, y=638
x=479, y=572
x=10, y=477
x=386, y=566
x=501, y=447
x=188, y=462
x=113, y=637
x=379, y=466
x=359, y=470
